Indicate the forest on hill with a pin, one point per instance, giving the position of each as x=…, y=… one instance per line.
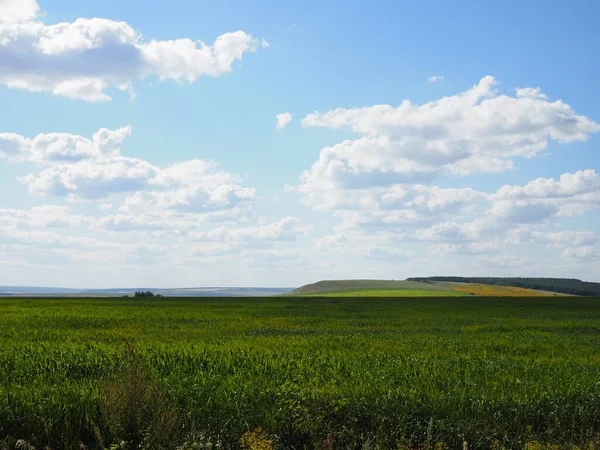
x=561, y=285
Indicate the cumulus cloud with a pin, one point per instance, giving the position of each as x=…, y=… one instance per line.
x=464, y=221
x=82, y=169
x=63, y=148
x=476, y=131
x=18, y=11
x=192, y=186
x=570, y=194
x=281, y=120
x=85, y=58
x=78, y=167
x=580, y=183
x=435, y=79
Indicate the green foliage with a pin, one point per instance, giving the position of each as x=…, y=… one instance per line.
x=561, y=285
x=146, y=294
x=332, y=373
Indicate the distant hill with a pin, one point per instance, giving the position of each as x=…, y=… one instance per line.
x=356, y=286
x=561, y=285
x=16, y=290
x=28, y=291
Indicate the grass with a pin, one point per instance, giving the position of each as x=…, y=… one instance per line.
x=390, y=293
x=314, y=373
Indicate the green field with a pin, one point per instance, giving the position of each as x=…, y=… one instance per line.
x=360, y=373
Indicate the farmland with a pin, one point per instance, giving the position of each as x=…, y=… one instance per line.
x=494, y=290
x=311, y=372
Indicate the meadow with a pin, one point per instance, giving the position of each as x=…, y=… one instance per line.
x=292, y=372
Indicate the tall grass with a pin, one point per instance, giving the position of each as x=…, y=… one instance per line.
x=310, y=373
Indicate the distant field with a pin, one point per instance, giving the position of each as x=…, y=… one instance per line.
x=392, y=293
x=314, y=373
x=494, y=290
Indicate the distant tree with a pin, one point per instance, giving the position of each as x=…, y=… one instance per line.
x=142, y=294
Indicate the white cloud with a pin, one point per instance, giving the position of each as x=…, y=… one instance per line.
x=388, y=253
x=435, y=79
x=277, y=259
x=92, y=169
x=18, y=11
x=584, y=253
x=124, y=223
x=571, y=194
x=91, y=180
x=63, y=148
x=474, y=248
x=40, y=217
x=85, y=58
x=580, y=183
x=477, y=131
x=281, y=120
x=286, y=229
x=556, y=239
x=531, y=93
x=463, y=221
x=192, y=186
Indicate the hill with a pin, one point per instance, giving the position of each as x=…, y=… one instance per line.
x=560, y=285
x=34, y=291
x=413, y=288
x=373, y=288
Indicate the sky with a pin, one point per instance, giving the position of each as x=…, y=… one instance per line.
x=258, y=143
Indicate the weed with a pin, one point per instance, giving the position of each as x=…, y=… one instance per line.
x=137, y=413
x=256, y=440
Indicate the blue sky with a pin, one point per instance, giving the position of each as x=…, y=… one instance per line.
x=491, y=169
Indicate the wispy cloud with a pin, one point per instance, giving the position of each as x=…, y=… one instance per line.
x=435, y=79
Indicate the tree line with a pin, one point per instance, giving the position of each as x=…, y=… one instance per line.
x=144, y=294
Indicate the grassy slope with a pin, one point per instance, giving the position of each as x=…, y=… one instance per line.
x=355, y=286
x=399, y=288
x=390, y=293
x=364, y=371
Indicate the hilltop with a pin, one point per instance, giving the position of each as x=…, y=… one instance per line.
x=374, y=288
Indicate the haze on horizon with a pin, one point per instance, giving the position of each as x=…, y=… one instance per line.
x=276, y=144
